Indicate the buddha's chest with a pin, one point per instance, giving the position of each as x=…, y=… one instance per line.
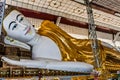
x=46, y=48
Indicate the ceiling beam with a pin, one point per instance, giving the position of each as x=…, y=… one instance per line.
x=101, y=8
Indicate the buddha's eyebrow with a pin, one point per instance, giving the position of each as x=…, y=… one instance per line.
x=18, y=16
x=11, y=23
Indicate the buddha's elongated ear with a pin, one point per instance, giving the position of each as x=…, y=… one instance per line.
x=4, y=31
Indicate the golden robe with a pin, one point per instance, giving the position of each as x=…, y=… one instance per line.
x=73, y=49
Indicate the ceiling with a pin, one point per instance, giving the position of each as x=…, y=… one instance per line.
x=113, y=6
x=74, y=11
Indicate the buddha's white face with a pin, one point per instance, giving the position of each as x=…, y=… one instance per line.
x=17, y=27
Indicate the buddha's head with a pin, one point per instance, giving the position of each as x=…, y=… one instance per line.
x=18, y=27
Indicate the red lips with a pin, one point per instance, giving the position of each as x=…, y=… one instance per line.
x=27, y=30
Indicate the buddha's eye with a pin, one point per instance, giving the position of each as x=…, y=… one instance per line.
x=21, y=19
x=14, y=26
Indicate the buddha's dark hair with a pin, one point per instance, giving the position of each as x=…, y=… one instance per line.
x=9, y=9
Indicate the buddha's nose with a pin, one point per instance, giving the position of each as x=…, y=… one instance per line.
x=22, y=25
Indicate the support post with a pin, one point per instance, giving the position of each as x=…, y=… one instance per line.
x=92, y=33
x=58, y=21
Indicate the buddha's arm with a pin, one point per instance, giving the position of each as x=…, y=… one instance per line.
x=52, y=64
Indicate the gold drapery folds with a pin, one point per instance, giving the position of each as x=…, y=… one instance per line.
x=73, y=49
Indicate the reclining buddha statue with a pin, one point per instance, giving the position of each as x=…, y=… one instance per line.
x=53, y=48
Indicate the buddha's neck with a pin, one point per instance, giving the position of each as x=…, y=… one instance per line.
x=34, y=41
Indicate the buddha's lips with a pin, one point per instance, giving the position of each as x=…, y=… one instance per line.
x=28, y=30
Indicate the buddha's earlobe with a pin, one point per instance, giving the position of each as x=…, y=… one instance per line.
x=4, y=31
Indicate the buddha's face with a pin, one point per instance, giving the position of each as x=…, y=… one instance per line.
x=17, y=27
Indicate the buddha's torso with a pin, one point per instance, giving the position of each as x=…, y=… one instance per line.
x=46, y=48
